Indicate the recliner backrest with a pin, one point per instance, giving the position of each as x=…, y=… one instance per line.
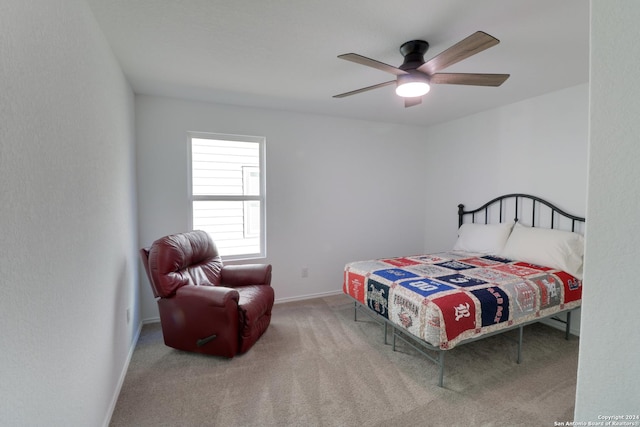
x=177, y=260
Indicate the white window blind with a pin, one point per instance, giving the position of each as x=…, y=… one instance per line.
x=227, y=192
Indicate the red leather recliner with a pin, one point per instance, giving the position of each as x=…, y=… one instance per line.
x=205, y=306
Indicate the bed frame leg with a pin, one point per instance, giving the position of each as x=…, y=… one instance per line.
x=520, y=330
x=568, y=329
x=384, y=327
x=441, y=363
x=393, y=335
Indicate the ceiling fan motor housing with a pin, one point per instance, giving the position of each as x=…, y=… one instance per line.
x=413, y=52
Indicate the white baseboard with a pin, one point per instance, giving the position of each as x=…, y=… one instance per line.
x=559, y=325
x=123, y=374
x=308, y=296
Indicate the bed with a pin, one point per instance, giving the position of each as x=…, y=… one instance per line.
x=503, y=273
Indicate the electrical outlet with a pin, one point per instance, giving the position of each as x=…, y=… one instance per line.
x=304, y=272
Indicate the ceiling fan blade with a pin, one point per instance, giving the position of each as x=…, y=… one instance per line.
x=475, y=43
x=410, y=102
x=363, y=60
x=469, y=79
x=364, y=89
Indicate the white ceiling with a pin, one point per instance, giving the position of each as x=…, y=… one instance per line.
x=282, y=54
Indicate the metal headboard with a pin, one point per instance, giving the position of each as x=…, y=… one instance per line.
x=516, y=203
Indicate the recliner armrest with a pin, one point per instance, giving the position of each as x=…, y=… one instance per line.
x=246, y=274
x=216, y=296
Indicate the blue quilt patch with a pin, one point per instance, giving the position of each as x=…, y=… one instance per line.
x=425, y=286
x=497, y=258
x=455, y=265
x=461, y=280
x=378, y=297
x=495, y=305
x=395, y=274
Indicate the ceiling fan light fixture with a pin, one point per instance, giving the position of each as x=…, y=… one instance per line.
x=412, y=85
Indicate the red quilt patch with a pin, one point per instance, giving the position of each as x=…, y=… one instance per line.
x=459, y=313
x=400, y=262
x=572, y=287
x=354, y=285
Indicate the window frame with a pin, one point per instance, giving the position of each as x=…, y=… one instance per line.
x=261, y=197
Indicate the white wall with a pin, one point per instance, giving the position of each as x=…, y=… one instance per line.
x=67, y=220
x=608, y=369
x=338, y=190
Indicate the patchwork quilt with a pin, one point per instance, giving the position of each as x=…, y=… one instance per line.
x=448, y=297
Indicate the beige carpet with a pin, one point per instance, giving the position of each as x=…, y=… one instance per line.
x=315, y=366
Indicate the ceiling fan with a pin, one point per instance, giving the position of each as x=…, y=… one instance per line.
x=414, y=76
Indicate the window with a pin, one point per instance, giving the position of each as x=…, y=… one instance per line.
x=227, y=192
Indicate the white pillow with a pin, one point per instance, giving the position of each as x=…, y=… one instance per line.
x=562, y=250
x=483, y=238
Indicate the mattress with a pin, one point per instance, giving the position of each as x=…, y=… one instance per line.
x=450, y=297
